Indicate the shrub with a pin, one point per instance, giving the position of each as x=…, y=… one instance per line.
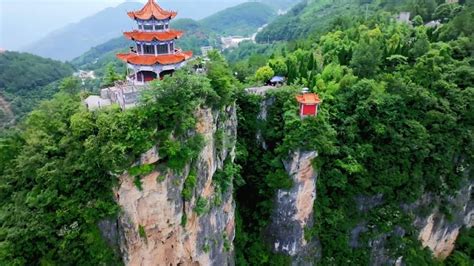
x=201, y=206
x=141, y=170
x=264, y=74
x=142, y=233
x=138, y=183
x=189, y=185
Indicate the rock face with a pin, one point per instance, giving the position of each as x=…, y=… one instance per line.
x=158, y=227
x=294, y=209
x=438, y=232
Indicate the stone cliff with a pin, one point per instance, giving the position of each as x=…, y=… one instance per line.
x=293, y=210
x=437, y=230
x=158, y=227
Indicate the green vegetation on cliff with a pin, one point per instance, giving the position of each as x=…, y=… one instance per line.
x=58, y=171
x=396, y=120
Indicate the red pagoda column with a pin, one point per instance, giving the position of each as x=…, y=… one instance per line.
x=155, y=54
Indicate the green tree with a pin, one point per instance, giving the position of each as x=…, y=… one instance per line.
x=366, y=59
x=264, y=74
x=221, y=78
x=417, y=21
x=421, y=45
x=279, y=67
x=110, y=76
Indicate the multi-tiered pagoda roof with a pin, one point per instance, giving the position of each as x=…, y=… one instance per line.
x=155, y=53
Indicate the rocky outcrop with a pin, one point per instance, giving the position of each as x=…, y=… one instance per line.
x=158, y=227
x=293, y=210
x=439, y=231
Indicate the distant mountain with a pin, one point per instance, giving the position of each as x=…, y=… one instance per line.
x=75, y=39
x=280, y=4
x=243, y=19
x=308, y=17
x=314, y=17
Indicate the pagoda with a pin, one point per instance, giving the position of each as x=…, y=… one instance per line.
x=309, y=103
x=154, y=54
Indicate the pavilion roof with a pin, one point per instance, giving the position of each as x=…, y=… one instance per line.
x=308, y=98
x=149, y=60
x=152, y=10
x=150, y=36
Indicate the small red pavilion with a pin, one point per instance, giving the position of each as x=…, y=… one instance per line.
x=155, y=53
x=309, y=103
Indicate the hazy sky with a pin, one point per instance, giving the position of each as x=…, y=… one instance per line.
x=33, y=19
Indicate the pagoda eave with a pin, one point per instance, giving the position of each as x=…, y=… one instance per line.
x=133, y=16
x=151, y=36
x=150, y=60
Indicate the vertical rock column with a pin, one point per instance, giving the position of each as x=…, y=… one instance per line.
x=157, y=227
x=294, y=208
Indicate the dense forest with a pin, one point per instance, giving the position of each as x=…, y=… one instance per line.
x=415, y=91
x=396, y=121
x=26, y=79
x=58, y=171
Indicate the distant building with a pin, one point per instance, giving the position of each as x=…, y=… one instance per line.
x=309, y=103
x=276, y=81
x=155, y=53
x=205, y=50
x=84, y=75
x=404, y=17
x=233, y=41
x=433, y=24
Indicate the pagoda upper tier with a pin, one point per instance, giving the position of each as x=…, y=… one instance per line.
x=152, y=10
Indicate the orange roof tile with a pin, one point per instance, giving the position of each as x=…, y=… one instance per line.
x=150, y=36
x=152, y=10
x=308, y=98
x=148, y=60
